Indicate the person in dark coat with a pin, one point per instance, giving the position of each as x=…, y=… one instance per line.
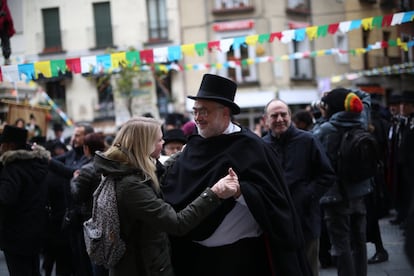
x=64, y=166
x=257, y=234
x=84, y=183
x=407, y=169
x=23, y=197
x=378, y=202
x=344, y=205
x=307, y=169
x=406, y=156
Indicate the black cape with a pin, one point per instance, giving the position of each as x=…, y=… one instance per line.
x=204, y=161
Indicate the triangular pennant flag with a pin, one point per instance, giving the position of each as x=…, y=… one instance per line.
x=333, y=28
x=345, y=27
x=397, y=18
x=225, y=44
x=42, y=67
x=213, y=45
x=355, y=24
x=322, y=30
x=88, y=65
x=311, y=32
x=408, y=17
x=117, y=59
x=377, y=21
x=103, y=63
x=277, y=35
x=11, y=73
x=200, y=48
x=263, y=38
x=300, y=34
x=238, y=42
x=133, y=58
x=161, y=55
x=252, y=39
x=26, y=72
x=74, y=65
x=188, y=49
x=287, y=36
x=174, y=53
x=147, y=56
x=58, y=67
x=386, y=20
x=367, y=23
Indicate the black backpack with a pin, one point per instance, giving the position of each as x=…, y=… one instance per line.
x=358, y=155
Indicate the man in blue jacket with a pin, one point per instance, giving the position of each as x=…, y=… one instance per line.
x=307, y=171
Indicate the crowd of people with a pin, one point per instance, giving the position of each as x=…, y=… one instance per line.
x=208, y=196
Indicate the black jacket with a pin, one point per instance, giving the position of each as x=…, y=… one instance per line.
x=23, y=197
x=308, y=174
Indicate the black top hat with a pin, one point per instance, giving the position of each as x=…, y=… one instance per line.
x=173, y=135
x=57, y=127
x=218, y=89
x=394, y=99
x=407, y=97
x=12, y=134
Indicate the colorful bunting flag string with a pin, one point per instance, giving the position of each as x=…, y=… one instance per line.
x=108, y=63
x=407, y=67
x=57, y=109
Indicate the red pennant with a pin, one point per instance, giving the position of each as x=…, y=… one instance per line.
x=213, y=44
x=74, y=65
x=333, y=28
x=147, y=56
x=278, y=35
x=386, y=20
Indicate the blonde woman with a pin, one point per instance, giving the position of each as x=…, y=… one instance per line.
x=145, y=218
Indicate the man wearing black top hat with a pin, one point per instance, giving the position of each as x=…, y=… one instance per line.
x=23, y=196
x=174, y=141
x=257, y=234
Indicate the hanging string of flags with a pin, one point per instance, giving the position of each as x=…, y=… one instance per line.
x=297, y=55
x=150, y=58
x=407, y=67
x=57, y=109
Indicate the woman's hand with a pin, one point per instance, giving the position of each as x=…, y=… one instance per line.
x=227, y=186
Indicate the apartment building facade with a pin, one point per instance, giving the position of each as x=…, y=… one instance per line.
x=60, y=30
x=51, y=30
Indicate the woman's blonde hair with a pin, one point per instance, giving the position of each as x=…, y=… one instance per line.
x=134, y=143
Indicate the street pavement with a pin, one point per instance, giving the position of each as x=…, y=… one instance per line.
x=393, y=239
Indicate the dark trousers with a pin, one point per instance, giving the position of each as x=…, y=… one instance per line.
x=245, y=257
x=19, y=265
x=346, y=224
x=5, y=44
x=81, y=262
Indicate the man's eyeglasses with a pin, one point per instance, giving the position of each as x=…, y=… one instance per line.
x=204, y=112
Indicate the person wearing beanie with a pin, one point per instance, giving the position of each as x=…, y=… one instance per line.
x=344, y=204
